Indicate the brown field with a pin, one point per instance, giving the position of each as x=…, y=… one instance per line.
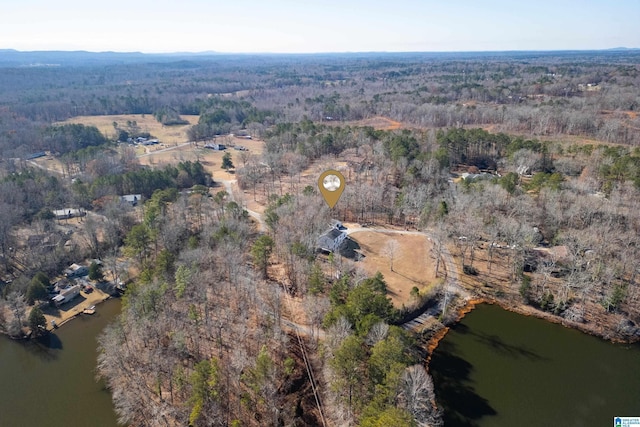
x=378, y=123
x=212, y=160
x=413, y=265
x=145, y=122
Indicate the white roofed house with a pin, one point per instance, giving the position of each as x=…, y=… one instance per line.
x=68, y=213
x=66, y=295
x=131, y=199
x=331, y=240
x=76, y=270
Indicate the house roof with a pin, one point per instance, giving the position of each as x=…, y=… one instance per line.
x=333, y=234
x=70, y=290
x=131, y=197
x=65, y=212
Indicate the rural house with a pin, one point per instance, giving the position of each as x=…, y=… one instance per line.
x=76, y=270
x=67, y=213
x=66, y=295
x=331, y=240
x=131, y=199
x=215, y=146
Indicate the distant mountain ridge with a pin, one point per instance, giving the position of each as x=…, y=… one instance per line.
x=43, y=58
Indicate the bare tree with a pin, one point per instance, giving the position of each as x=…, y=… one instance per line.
x=418, y=397
x=377, y=333
x=391, y=250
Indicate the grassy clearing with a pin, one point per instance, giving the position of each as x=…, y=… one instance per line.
x=412, y=265
x=145, y=123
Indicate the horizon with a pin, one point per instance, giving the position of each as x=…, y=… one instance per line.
x=266, y=53
x=288, y=27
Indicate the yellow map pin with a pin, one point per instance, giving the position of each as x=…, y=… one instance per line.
x=331, y=185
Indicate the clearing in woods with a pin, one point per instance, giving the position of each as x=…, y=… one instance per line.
x=144, y=123
x=210, y=159
x=169, y=151
x=412, y=265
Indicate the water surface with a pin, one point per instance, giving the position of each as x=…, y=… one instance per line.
x=498, y=368
x=52, y=383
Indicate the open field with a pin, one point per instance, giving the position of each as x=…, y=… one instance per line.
x=412, y=265
x=211, y=159
x=145, y=123
x=378, y=123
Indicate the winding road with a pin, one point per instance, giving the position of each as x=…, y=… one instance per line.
x=228, y=185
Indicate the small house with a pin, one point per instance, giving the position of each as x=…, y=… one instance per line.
x=36, y=155
x=76, y=270
x=66, y=295
x=131, y=199
x=215, y=146
x=67, y=213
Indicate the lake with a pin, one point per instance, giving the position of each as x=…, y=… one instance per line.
x=497, y=368
x=52, y=383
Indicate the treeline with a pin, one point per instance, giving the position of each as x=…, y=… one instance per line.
x=219, y=116
x=146, y=180
x=31, y=192
x=582, y=94
x=71, y=137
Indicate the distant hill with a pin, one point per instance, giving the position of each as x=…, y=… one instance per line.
x=16, y=58
x=622, y=48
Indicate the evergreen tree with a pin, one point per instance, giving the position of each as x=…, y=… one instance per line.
x=37, y=321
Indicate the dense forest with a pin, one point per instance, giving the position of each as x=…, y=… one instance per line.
x=524, y=166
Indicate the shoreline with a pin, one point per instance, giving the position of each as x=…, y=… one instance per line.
x=78, y=313
x=524, y=310
x=74, y=313
x=62, y=316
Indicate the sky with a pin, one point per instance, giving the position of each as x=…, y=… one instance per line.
x=301, y=26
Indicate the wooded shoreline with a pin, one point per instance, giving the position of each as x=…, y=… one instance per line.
x=524, y=310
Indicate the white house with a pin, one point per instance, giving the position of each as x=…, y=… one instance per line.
x=131, y=199
x=66, y=295
x=67, y=213
x=76, y=270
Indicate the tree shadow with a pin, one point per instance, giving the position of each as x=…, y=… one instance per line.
x=45, y=347
x=451, y=375
x=497, y=344
x=108, y=288
x=51, y=310
x=411, y=279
